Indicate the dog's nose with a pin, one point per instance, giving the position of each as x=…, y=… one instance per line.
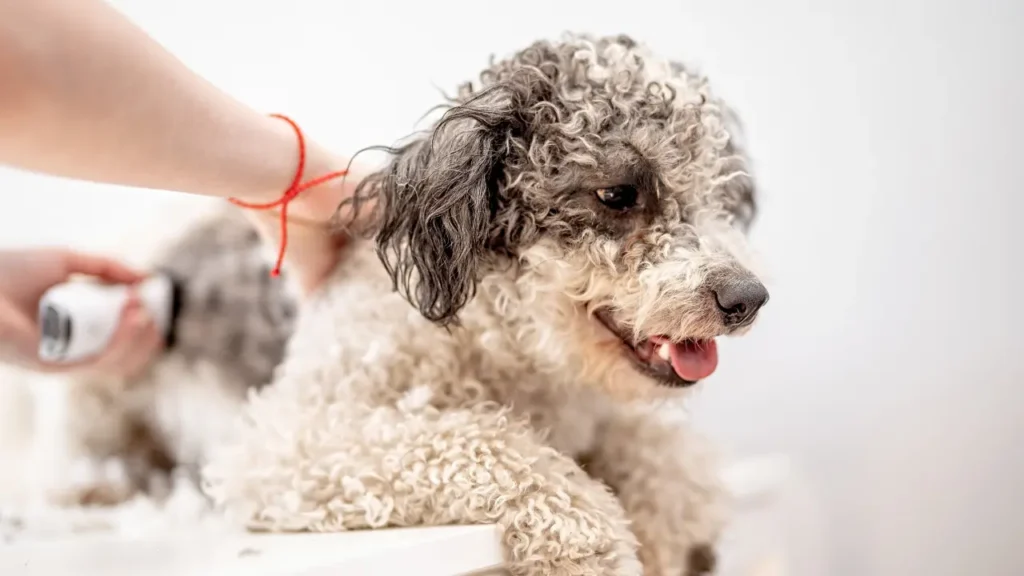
x=740, y=300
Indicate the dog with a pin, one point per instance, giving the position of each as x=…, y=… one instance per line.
x=547, y=269
x=98, y=441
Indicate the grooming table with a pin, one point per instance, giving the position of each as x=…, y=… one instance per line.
x=753, y=546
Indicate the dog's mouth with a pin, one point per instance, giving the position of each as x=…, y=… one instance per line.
x=671, y=363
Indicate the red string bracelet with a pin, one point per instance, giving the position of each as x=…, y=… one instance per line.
x=294, y=189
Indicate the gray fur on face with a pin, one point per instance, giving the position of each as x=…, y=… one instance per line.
x=233, y=314
x=518, y=157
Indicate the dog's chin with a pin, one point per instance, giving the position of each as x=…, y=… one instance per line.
x=676, y=364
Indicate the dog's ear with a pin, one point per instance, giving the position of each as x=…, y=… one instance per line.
x=436, y=202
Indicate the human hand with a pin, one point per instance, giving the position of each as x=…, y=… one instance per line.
x=25, y=275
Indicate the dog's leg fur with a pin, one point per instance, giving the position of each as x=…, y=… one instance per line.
x=89, y=447
x=665, y=476
x=390, y=427
x=437, y=467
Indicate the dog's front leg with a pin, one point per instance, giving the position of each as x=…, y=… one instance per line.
x=667, y=480
x=80, y=433
x=296, y=468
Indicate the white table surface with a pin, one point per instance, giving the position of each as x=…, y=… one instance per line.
x=752, y=547
x=438, y=551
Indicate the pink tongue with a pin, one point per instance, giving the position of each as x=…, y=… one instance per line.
x=694, y=360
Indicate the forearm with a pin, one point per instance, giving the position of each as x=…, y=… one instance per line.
x=87, y=95
x=96, y=99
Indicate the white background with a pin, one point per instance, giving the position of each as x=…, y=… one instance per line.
x=886, y=137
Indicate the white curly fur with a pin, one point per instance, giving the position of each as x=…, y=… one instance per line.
x=381, y=418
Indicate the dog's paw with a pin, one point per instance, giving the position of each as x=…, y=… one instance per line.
x=701, y=560
x=92, y=483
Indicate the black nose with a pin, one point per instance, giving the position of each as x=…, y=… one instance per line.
x=740, y=300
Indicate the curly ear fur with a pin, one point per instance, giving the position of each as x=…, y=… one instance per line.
x=436, y=201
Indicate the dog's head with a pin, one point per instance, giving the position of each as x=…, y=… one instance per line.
x=610, y=181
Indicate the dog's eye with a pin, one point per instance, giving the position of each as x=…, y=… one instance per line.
x=617, y=197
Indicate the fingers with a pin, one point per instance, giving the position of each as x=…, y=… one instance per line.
x=133, y=346
x=103, y=268
x=130, y=354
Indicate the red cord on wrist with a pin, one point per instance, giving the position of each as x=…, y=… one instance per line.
x=294, y=189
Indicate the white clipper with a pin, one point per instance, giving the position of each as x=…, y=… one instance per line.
x=78, y=318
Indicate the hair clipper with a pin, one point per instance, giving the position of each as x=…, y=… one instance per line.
x=77, y=319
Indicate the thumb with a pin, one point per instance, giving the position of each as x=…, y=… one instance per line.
x=105, y=269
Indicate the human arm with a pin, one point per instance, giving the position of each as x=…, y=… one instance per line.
x=88, y=95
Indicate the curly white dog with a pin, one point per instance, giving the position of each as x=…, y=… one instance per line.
x=571, y=235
